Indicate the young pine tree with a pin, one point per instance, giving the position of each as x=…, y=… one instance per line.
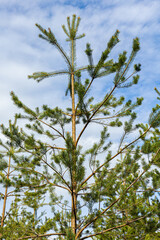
x=108, y=191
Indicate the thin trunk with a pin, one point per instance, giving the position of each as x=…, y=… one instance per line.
x=35, y=218
x=5, y=195
x=4, y=206
x=74, y=183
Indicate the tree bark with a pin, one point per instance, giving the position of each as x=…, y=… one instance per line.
x=5, y=195
x=74, y=183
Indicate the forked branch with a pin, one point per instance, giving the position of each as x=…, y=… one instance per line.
x=89, y=120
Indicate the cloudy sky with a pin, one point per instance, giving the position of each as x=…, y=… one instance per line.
x=22, y=52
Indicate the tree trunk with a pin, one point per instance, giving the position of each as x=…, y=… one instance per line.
x=5, y=195
x=74, y=183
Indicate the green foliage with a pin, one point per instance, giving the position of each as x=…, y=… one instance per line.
x=3, y=164
x=154, y=118
x=20, y=223
x=72, y=29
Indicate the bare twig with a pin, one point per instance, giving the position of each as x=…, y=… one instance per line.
x=51, y=127
x=42, y=235
x=55, y=147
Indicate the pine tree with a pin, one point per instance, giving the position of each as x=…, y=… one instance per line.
x=18, y=220
x=6, y=171
x=119, y=198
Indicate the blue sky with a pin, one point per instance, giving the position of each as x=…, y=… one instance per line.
x=23, y=53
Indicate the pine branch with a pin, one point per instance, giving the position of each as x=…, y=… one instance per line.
x=149, y=189
x=51, y=39
x=90, y=118
x=118, y=114
x=135, y=49
x=91, y=175
x=39, y=76
x=85, y=68
x=73, y=29
x=55, y=185
x=142, y=238
x=56, y=173
x=112, y=204
x=51, y=127
x=42, y=235
x=130, y=76
x=67, y=114
x=48, y=166
x=121, y=141
x=116, y=227
x=10, y=193
x=93, y=77
x=86, y=91
x=55, y=147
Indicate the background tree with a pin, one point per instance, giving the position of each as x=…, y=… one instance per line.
x=118, y=198
x=20, y=188
x=6, y=174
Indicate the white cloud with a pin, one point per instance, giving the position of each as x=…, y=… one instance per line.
x=23, y=53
